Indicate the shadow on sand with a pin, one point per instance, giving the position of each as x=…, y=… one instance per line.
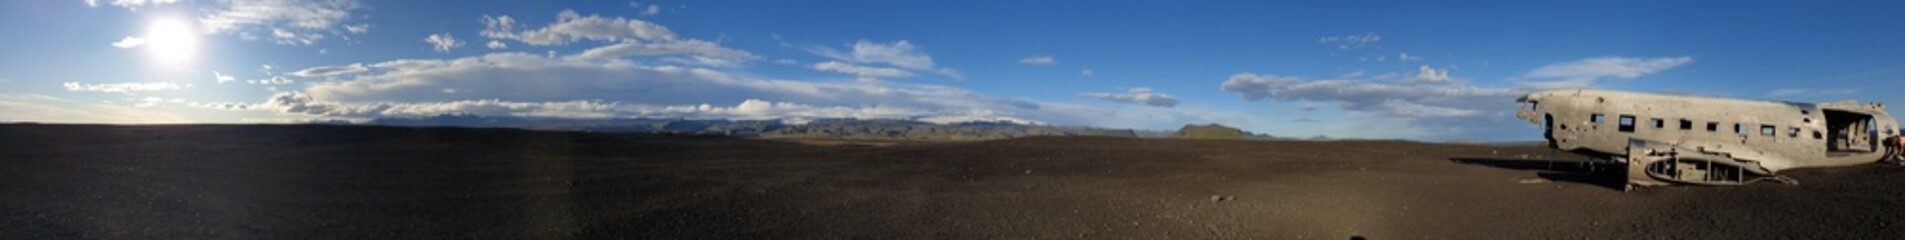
x=1605, y=175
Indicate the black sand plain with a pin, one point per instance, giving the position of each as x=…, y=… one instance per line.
x=353, y=182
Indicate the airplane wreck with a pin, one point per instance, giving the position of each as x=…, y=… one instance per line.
x=1692, y=140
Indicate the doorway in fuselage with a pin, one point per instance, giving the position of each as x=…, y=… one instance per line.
x=1547, y=130
x=1849, y=132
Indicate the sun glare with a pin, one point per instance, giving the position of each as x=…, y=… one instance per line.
x=171, y=42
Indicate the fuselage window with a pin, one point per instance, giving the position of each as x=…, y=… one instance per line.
x=1737, y=128
x=1660, y=123
x=1686, y=124
x=1768, y=130
x=1627, y=123
x=1597, y=118
x=1713, y=126
x=1793, y=132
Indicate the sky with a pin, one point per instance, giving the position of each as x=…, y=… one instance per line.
x=1342, y=69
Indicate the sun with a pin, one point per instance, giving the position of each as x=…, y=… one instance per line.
x=171, y=42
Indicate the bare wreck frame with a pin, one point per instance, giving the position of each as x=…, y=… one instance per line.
x=1671, y=139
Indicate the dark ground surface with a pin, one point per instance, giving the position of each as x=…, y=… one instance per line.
x=248, y=182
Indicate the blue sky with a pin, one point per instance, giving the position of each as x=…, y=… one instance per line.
x=1368, y=69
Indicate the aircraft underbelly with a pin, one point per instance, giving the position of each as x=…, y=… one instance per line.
x=1653, y=163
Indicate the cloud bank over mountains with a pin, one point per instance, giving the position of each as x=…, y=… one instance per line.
x=596, y=66
x=637, y=69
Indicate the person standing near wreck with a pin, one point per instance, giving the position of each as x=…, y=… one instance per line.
x=1898, y=147
x=1895, y=150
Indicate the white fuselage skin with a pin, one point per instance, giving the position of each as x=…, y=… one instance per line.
x=1772, y=135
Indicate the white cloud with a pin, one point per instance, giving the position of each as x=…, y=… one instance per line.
x=646, y=10
x=1086, y=73
x=1399, y=107
x=1351, y=42
x=498, y=27
x=1040, y=60
x=1426, y=74
x=1432, y=103
x=131, y=4
x=122, y=87
x=292, y=102
x=571, y=26
x=1585, y=72
x=524, y=84
x=900, y=54
x=632, y=38
x=532, y=78
x=703, y=61
x=1406, y=57
x=273, y=80
x=357, y=29
x=1356, y=74
x=1408, y=101
x=688, y=47
x=762, y=109
x=660, y=78
x=222, y=78
x=290, y=21
x=750, y=109
x=1391, y=110
x=1139, y=96
x=326, y=71
x=149, y=102
x=443, y=42
x=231, y=106
x=129, y=42
x=288, y=37
x=861, y=71
x=494, y=44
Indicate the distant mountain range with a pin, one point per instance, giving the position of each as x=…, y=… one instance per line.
x=866, y=129
x=884, y=129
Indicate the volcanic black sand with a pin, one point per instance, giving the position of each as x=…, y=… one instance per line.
x=250, y=182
